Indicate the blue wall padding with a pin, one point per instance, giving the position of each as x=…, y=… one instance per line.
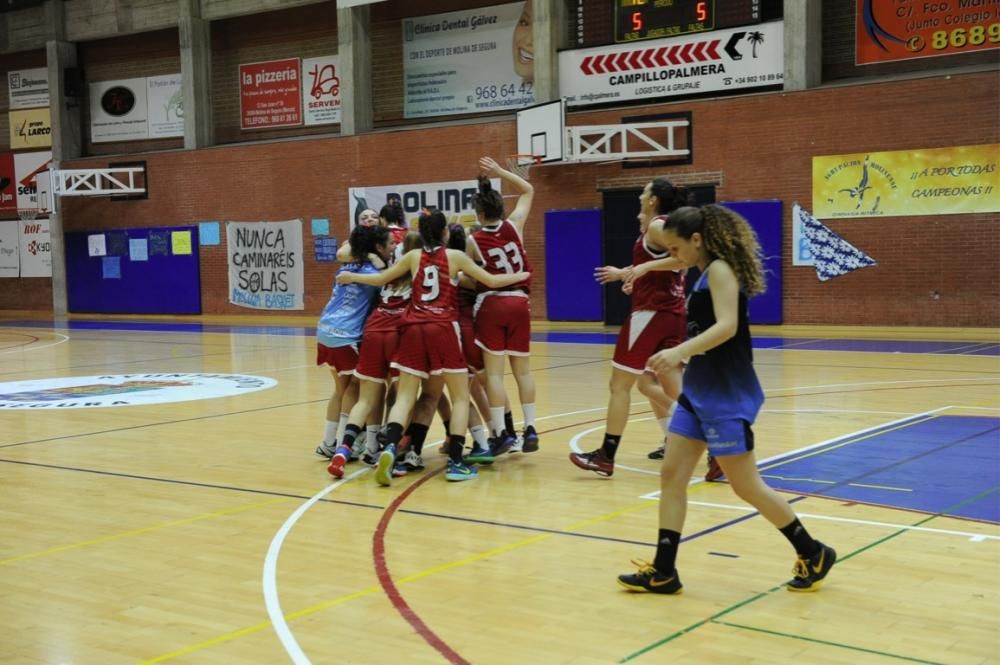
x=572, y=251
x=161, y=285
x=765, y=218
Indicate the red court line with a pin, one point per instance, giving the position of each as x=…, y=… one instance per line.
x=17, y=346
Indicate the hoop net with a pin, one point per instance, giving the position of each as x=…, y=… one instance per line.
x=27, y=214
x=521, y=164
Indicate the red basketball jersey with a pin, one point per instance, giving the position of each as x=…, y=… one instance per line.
x=389, y=310
x=434, y=296
x=658, y=290
x=503, y=251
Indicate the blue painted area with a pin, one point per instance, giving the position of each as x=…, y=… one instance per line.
x=932, y=465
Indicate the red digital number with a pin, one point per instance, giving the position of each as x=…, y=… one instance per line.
x=637, y=21
x=700, y=11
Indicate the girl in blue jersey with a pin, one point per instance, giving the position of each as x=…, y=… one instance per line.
x=720, y=397
x=342, y=322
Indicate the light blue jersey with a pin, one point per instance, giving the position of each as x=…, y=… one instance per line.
x=343, y=318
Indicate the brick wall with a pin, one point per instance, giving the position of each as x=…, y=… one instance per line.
x=757, y=147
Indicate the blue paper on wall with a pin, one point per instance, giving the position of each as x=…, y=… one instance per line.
x=321, y=227
x=159, y=243
x=326, y=250
x=208, y=233
x=112, y=267
x=138, y=249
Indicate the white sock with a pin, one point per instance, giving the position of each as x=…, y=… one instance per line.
x=342, y=426
x=529, y=414
x=664, y=424
x=371, y=438
x=330, y=433
x=479, y=436
x=496, y=419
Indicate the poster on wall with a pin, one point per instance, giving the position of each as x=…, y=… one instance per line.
x=719, y=60
x=118, y=110
x=8, y=183
x=28, y=88
x=265, y=264
x=933, y=181
x=468, y=61
x=270, y=94
x=35, y=248
x=321, y=90
x=30, y=129
x=909, y=29
x=454, y=199
x=165, y=101
x=27, y=165
x=10, y=264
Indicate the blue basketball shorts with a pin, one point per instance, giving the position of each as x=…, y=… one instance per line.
x=724, y=437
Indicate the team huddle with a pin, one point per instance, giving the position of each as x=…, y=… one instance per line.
x=452, y=308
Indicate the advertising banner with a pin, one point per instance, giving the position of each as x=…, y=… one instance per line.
x=27, y=165
x=270, y=94
x=719, y=60
x=10, y=264
x=454, y=199
x=935, y=181
x=8, y=183
x=265, y=264
x=118, y=111
x=908, y=29
x=35, y=248
x=30, y=129
x=28, y=88
x=166, y=106
x=321, y=90
x=469, y=61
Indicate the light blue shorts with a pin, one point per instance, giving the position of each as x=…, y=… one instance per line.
x=724, y=437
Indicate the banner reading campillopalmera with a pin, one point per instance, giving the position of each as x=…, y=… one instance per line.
x=934, y=181
x=265, y=264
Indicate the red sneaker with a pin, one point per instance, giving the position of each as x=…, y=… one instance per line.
x=336, y=467
x=594, y=461
x=714, y=470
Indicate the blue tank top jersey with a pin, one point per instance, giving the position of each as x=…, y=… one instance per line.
x=721, y=384
x=343, y=318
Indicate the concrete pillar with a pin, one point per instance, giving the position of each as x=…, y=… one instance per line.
x=803, y=44
x=550, y=33
x=354, y=51
x=196, y=75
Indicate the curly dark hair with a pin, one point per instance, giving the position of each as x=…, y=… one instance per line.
x=366, y=239
x=727, y=236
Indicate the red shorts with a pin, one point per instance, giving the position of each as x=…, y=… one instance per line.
x=473, y=354
x=503, y=324
x=645, y=333
x=377, y=351
x=430, y=348
x=342, y=358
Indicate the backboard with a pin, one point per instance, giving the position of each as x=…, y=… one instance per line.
x=541, y=131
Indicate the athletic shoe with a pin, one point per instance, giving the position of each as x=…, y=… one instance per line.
x=457, y=471
x=337, y=462
x=369, y=458
x=809, y=573
x=714, y=470
x=594, y=461
x=326, y=450
x=658, y=453
x=651, y=580
x=383, y=470
x=480, y=455
x=399, y=470
x=412, y=461
x=501, y=444
x=530, y=439
x=518, y=445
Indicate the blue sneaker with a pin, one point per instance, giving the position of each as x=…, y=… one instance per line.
x=503, y=443
x=383, y=470
x=480, y=455
x=530, y=440
x=458, y=471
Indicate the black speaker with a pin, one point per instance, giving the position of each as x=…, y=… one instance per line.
x=72, y=82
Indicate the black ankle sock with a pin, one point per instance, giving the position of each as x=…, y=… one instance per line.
x=508, y=422
x=393, y=433
x=456, y=445
x=666, y=551
x=351, y=433
x=417, y=434
x=447, y=426
x=805, y=545
x=610, y=445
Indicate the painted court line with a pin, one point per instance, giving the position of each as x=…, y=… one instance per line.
x=38, y=347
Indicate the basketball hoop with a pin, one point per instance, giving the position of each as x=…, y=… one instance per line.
x=521, y=164
x=27, y=214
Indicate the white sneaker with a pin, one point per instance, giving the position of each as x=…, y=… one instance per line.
x=413, y=461
x=518, y=445
x=326, y=450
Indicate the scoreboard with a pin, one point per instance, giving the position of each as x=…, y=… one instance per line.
x=636, y=20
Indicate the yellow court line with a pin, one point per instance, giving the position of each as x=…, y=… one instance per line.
x=135, y=532
x=376, y=588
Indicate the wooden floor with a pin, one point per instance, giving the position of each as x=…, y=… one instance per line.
x=207, y=532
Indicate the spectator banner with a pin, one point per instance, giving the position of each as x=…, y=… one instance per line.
x=454, y=199
x=720, y=60
x=908, y=29
x=265, y=264
x=936, y=181
x=35, y=248
x=10, y=264
x=28, y=88
x=27, y=165
x=166, y=106
x=321, y=90
x=469, y=61
x=8, y=183
x=30, y=129
x=270, y=94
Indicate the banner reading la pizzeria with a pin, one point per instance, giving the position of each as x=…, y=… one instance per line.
x=934, y=181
